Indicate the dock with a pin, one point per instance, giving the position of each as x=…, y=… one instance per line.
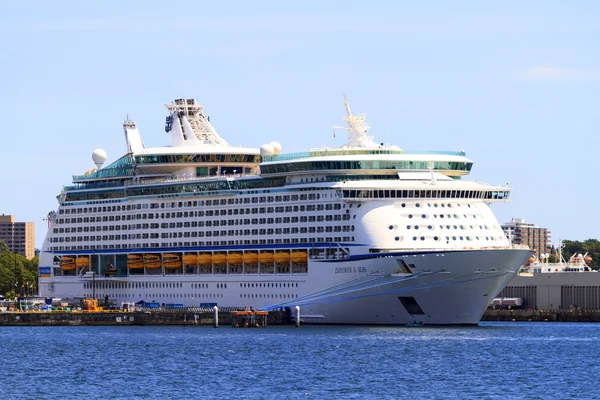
x=542, y=315
x=162, y=317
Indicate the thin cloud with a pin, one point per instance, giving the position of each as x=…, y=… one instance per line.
x=544, y=73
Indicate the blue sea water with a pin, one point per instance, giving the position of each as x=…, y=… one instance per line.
x=491, y=361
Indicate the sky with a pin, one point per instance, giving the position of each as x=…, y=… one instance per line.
x=514, y=84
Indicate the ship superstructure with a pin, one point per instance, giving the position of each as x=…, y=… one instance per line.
x=363, y=233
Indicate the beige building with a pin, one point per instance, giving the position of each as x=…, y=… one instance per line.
x=538, y=239
x=19, y=236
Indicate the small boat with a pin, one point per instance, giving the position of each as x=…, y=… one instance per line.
x=234, y=258
x=266, y=257
x=219, y=258
x=250, y=257
x=300, y=257
x=172, y=261
x=83, y=261
x=282, y=257
x=67, y=263
x=204, y=259
x=152, y=261
x=135, y=261
x=191, y=260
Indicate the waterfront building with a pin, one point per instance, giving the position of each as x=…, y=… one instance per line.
x=19, y=236
x=363, y=233
x=523, y=233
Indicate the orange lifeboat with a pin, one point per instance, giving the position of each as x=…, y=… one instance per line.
x=250, y=257
x=135, y=261
x=83, y=261
x=300, y=257
x=152, y=261
x=234, y=258
x=67, y=263
x=204, y=259
x=531, y=259
x=282, y=257
x=219, y=258
x=172, y=261
x=190, y=260
x=587, y=260
x=266, y=257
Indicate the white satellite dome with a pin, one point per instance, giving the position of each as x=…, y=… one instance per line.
x=276, y=147
x=267, y=150
x=99, y=156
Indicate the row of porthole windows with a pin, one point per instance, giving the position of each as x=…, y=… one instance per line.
x=268, y=296
x=435, y=205
x=425, y=216
x=416, y=227
x=132, y=285
x=448, y=238
x=268, y=285
x=156, y=295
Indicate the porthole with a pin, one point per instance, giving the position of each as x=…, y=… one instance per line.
x=434, y=215
x=441, y=215
x=453, y=237
x=443, y=205
x=436, y=238
x=435, y=205
x=430, y=227
x=358, y=206
x=414, y=238
x=403, y=205
x=422, y=237
x=391, y=227
x=397, y=238
x=416, y=226
x=423, y=216
x=409, y=215
x=417, y=205
x=407, y=226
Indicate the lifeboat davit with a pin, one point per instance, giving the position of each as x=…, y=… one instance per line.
x=152, y=261
x=204, y=259
x=190, y=259
x=67, y=263
x=282, y=257
x=266, y=257
x=172, y=261
x=83, y=261
x=300, y=257
x=219, y=258
x=250, y=257
x=134, y=261
x=234, y=258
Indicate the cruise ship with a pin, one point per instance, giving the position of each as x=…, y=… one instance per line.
x=365, y=233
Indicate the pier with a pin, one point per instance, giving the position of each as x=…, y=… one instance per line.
x=542, y=315
x=110, y=318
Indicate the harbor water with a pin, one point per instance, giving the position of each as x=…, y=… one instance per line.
x=496, y=360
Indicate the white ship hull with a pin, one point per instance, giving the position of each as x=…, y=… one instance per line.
x=439, y=287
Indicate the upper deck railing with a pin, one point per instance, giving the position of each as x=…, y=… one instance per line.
x=352, y=152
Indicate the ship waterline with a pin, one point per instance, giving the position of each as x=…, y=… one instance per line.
x=361, y=234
